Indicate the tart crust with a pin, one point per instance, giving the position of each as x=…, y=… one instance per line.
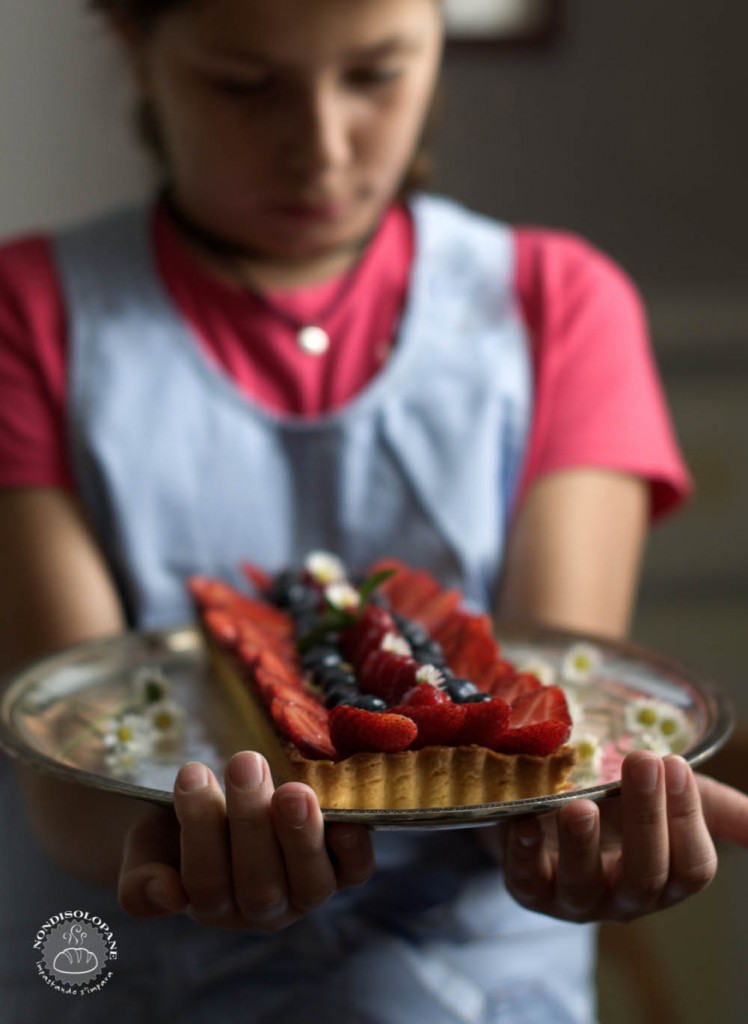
x=431, y=777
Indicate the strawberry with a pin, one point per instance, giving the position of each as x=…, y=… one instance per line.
x=387, y=675
x=424, y=694
x=437, y=609
x=358, y=640
x=256, y=576
x=303, y=728
x=539, y=721
x=508, y=684
x=545, y=703
x=484, y=723
x=540, y=738
x=476, y=652
x=268, y=661
x=437, y=723
x=222, y=626
x=410, y=590
x=354, y=730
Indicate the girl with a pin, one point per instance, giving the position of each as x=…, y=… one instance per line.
x=288, y=350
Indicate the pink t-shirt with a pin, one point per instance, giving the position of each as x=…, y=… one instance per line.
x=598, y=400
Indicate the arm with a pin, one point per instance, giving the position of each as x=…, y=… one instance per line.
x=573, y=562
x=56, y=590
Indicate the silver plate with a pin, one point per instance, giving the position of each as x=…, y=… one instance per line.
x=52, y=712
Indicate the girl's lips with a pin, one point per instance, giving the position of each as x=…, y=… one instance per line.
x=311, y=211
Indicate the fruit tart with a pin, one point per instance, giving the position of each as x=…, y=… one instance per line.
x=381, y=694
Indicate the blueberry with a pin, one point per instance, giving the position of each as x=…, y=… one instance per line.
x=413, y=632
x=320, y=656
x=341, y=694
x=476, y=698
x=369, y=702
x=283, y=587
x=328, y=676
x=430, y=653
x=460, y=689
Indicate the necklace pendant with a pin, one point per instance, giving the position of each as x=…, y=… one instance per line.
x=313, y=339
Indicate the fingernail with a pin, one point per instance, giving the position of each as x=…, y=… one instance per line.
x=156, y=894
x=645, y=774
x=582, y=826
x=192, y=777
x=526, y=839
x=295, y=810
x=247, y=771
x=347, y=839
x=676, y=774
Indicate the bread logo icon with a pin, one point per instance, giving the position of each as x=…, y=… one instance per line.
x=75, y=959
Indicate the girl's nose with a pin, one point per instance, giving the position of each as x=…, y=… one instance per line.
x=318, y=136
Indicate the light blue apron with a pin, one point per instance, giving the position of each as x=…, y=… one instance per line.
x=180, y=473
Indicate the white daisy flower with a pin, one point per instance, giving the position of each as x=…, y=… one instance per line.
x=167, y=722
x=589, y=752
x=151, y=685
x=127, y=740
x=658, y=725
x=580, y=663
x=343, y=597
x=395, y=644
x=430, y=674
x=544, y=671
x=325, y=567
x=651, y=741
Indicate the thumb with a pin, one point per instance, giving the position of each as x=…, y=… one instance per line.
x=725, y=810
x=149, y=881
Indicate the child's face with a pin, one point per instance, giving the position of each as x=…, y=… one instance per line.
x=289, y=124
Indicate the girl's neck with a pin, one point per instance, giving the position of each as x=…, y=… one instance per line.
x=235, y=264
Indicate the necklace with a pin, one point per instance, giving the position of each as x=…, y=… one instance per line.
x=311, y=336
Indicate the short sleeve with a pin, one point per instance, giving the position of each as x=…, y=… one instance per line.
x=598, y=397
x=33, y=435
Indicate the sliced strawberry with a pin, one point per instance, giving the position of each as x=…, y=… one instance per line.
x=222, y=626
x=354, y=730
x=387, y=675
x=305, y=730
x=393, y=565
x=248, y=655
x=540, y=738
x=484, y=723
x=268, y=661
x=437, y=723
x=476, y=653
x=424, y=694
x=410, y=590
x=509, y=684
x=546, y=703
x=257, y=577
x=437, y=609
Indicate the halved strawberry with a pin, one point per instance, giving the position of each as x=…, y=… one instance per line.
x=437, y=723
x=540, y=738
x=387, y=675
x=354, y=730
x=268, y=661
x=508, y=684
x=305, y=730
x=410, y=590
x=475, y=654
x=484, y=723
x=546, y=703
x=259, y=579
x=437, y=609
x=222, y=626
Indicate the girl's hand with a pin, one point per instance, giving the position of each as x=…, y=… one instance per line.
x=626, y=857
x=255, y=858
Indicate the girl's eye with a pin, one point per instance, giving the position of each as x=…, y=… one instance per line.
x=242, y=87
x=372, y=77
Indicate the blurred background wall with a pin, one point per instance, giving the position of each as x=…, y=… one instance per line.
x=628, y=127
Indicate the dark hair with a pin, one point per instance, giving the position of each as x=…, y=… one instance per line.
x=144, y=13
x=140, y=12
